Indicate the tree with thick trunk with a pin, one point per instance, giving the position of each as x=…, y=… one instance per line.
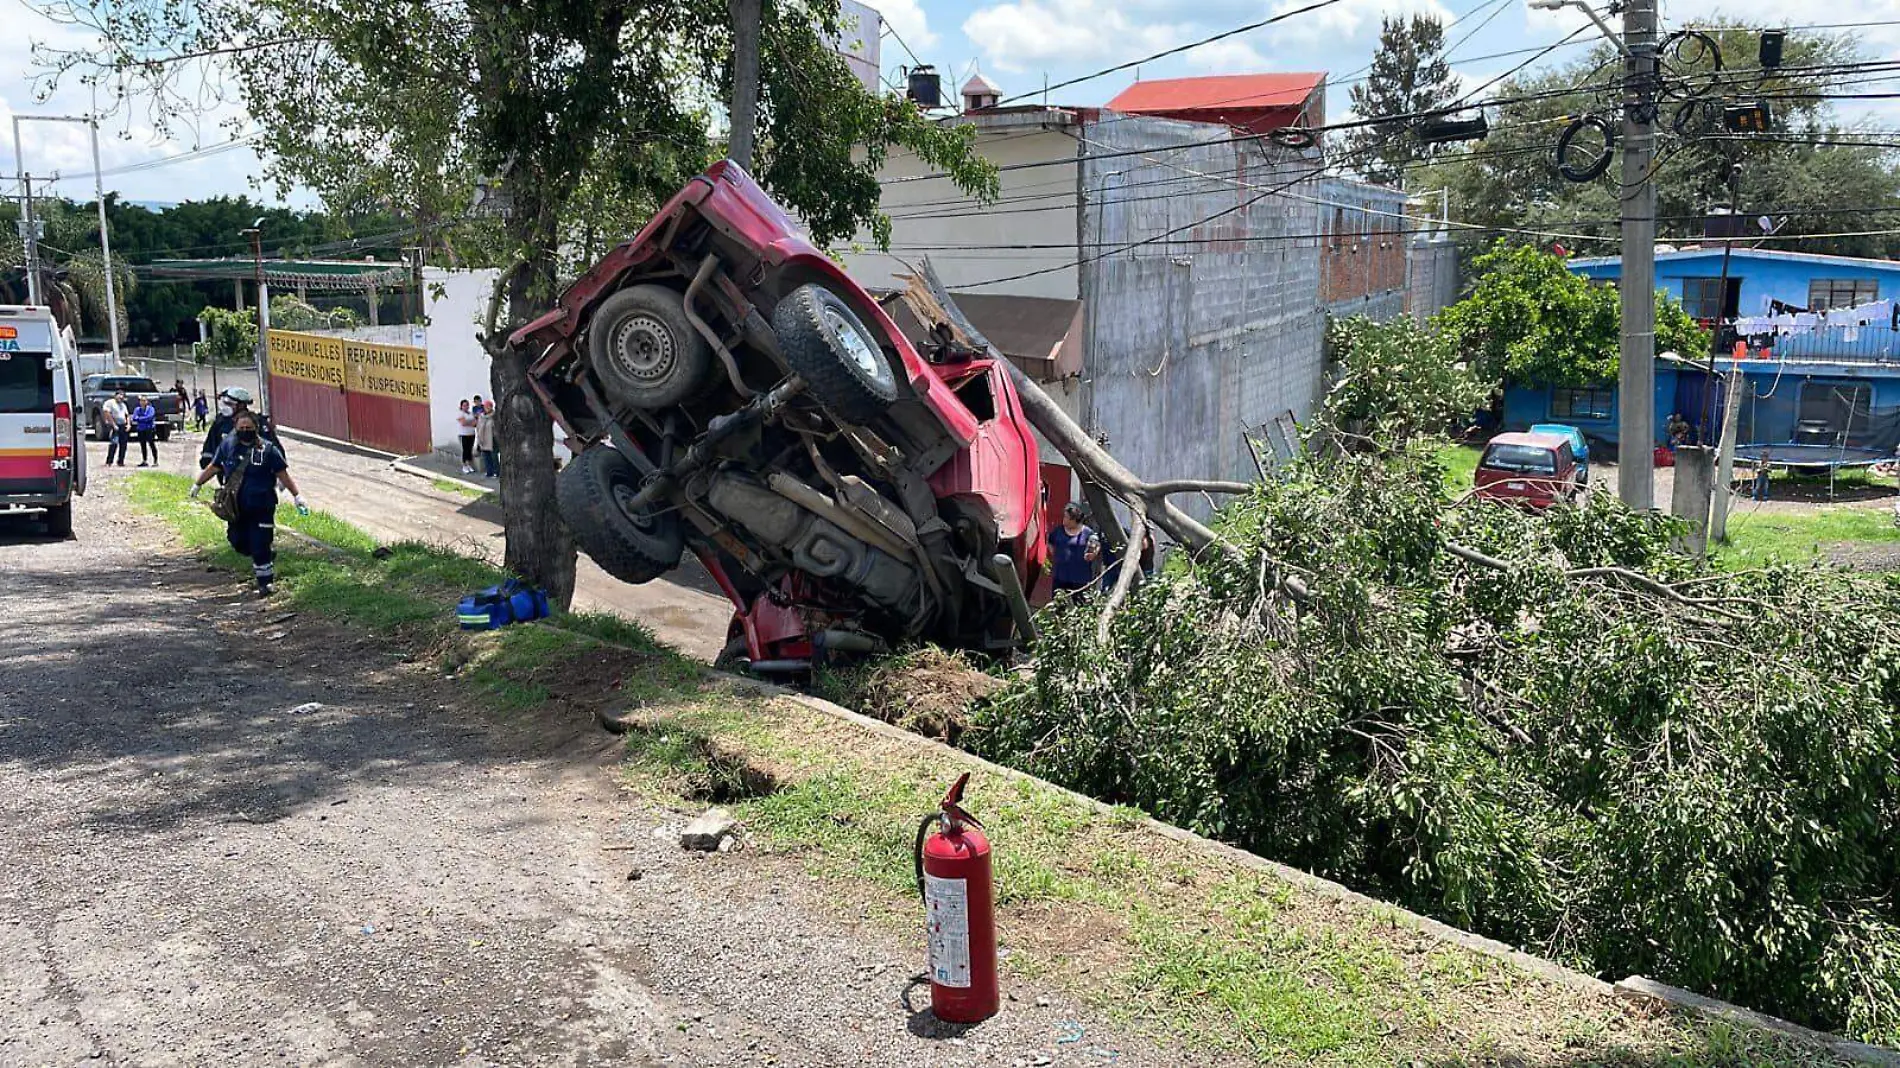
x=578, y=118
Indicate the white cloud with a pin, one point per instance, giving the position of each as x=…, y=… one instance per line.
x=1026, y=35
x=907, y=19
x=1231, y=56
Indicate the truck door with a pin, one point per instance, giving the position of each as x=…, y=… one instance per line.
x=66, y=391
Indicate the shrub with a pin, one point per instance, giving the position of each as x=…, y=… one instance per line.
x=1696, y=782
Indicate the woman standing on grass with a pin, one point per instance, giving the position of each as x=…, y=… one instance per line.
x=252, y=467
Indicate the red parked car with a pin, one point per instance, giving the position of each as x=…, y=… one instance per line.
x=728, y=390
x=1537, y=470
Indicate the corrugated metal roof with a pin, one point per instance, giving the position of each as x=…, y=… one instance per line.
x=1224, y=92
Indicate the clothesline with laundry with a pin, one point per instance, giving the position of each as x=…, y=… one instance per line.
x=1786, y=320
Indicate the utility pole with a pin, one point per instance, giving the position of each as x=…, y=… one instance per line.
x=259, y=355
x=1636, y=380
x=30, y=233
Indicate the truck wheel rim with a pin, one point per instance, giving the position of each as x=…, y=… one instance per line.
x=643, y=347
x=861, y=354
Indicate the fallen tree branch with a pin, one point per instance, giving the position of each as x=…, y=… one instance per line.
x=1130, y=563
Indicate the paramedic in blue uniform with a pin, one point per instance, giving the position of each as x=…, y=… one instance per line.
x=232, y=403
x=255, y=526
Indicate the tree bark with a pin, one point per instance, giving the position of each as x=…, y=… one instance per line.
x=537, y=545
x=746, y=18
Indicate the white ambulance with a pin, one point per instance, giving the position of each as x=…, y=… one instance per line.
x=42, y=458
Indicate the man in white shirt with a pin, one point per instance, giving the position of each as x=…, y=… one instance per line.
x=117, y=419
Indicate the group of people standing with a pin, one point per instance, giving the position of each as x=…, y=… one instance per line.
x=121, y=421
x=475, y=425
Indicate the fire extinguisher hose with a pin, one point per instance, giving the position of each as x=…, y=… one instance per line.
x=917, y=850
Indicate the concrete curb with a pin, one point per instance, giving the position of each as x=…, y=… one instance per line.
x=1649, y=992
x=1634, y=989
x=423, y=472
x=332, y=443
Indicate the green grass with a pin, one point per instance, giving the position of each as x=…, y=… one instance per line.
x=1461, y=464
x=1758, y=538
x=450, y=486
x=409, y=593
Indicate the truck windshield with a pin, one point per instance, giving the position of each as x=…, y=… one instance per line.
x=1527, y=458
x=26, y=383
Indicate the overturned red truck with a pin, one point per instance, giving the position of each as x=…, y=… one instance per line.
x=727, y=389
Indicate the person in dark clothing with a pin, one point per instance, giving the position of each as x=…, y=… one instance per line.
x=200, y=411
x=145, y=428
x=1073, y=549
x=184, y=398
x=254, y=528
x=232, y=403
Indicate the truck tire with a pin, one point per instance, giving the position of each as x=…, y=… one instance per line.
x=98, y=428
x=59, y=520
x=591, y=493
x=826, y=343
x=645, y=350
x=164, y=433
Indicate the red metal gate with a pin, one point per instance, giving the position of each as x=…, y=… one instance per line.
x=355, y=391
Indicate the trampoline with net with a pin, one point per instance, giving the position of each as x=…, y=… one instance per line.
x=1810, y=456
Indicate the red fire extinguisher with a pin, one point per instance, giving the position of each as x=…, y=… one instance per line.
x=953, y=877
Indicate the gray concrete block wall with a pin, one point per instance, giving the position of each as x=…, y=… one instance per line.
x=1201, y=335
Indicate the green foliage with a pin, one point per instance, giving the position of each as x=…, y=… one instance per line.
x=289, y=313
x=1408, y=75
x=230, y=336
x=1530, y=319
x=1700, y=789
x=1509, y=179
x=1395, y=380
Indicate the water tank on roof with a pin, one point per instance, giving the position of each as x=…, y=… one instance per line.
x=925, y=87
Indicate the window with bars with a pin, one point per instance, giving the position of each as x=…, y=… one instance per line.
x=1583, y=403
x=1825, y=293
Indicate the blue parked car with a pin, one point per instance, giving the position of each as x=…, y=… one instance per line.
x=1578, y=445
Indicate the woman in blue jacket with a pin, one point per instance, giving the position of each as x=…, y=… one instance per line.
x=145, y=428
x=254, y=527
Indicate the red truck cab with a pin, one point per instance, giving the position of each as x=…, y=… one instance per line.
x=1534, y=470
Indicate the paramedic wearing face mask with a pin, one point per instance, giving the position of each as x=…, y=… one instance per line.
x=232, y=403
x=258, y=467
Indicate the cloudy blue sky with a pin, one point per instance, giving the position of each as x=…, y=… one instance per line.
x=1015, y=43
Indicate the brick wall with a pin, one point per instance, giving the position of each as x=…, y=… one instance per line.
x=1363, y=256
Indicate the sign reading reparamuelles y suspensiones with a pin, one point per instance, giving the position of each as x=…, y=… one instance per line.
x=397, y=371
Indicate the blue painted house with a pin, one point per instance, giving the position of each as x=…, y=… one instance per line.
x=1811, y=377
x=1761, y=282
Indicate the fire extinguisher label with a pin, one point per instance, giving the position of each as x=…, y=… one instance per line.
x=947, y=914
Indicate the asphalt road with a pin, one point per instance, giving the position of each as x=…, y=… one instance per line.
x=685, y=610
x=233, y=836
